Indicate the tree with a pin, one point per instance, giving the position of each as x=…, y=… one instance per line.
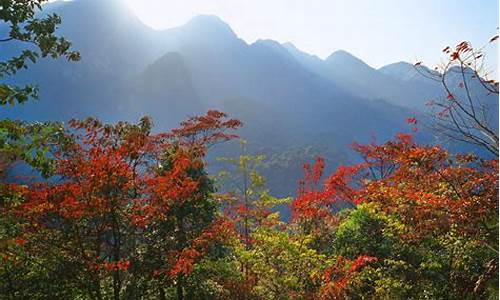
x=28, y=142
x=128, y=214
x=466, y=113
x=247, y=191
x=441, y=266
x=427, y=216
x=251, y=208
x=276, y=259
x=26, y=27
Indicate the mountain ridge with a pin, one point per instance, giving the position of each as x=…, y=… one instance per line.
x=287, y=99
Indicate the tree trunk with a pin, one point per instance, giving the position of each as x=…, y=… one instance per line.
x=162, y=294
x=482, y=282
x=116, y=285
x=180, y=291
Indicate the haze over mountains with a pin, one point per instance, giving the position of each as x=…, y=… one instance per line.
x=294, y=105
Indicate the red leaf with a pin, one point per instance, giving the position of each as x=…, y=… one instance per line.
x=411, y=120
x=20, y=241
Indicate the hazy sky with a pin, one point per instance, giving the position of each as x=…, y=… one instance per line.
x=377, y=31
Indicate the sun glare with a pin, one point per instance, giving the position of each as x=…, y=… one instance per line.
x=161, y=14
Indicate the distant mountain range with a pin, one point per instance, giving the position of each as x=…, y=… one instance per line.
x=294, y=105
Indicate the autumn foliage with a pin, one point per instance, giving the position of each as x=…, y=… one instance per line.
x=121, y=212
x=430, y=193
x=113, y=186
x=128, y=213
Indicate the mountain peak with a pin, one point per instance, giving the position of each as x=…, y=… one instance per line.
x=399, y=64
x=210, y=25
x=207, y=20
x=269, y=42
x=342, y=55
x=404, y=71
x=346, y=59
x=289, y=46
x=301, y=55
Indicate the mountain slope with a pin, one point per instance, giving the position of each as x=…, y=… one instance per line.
x=288, y=100
x=397, y=84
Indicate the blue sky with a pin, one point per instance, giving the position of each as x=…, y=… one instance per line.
x=379, y=32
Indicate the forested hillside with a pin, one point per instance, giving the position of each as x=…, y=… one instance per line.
x=130, y=70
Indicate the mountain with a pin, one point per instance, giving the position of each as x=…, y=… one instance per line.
x=168, y=78
x=264, y=81
x=406, y=72
x=115, y=47
x=294, y=105
x=352, y=74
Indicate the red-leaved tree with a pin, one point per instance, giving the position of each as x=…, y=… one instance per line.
x=127, y=213
x=429, y=190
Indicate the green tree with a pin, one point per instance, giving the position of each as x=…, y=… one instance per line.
x=27, y=142
x=39, y=34
x=274, y=260
x=36, y=36
x=441, y=266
